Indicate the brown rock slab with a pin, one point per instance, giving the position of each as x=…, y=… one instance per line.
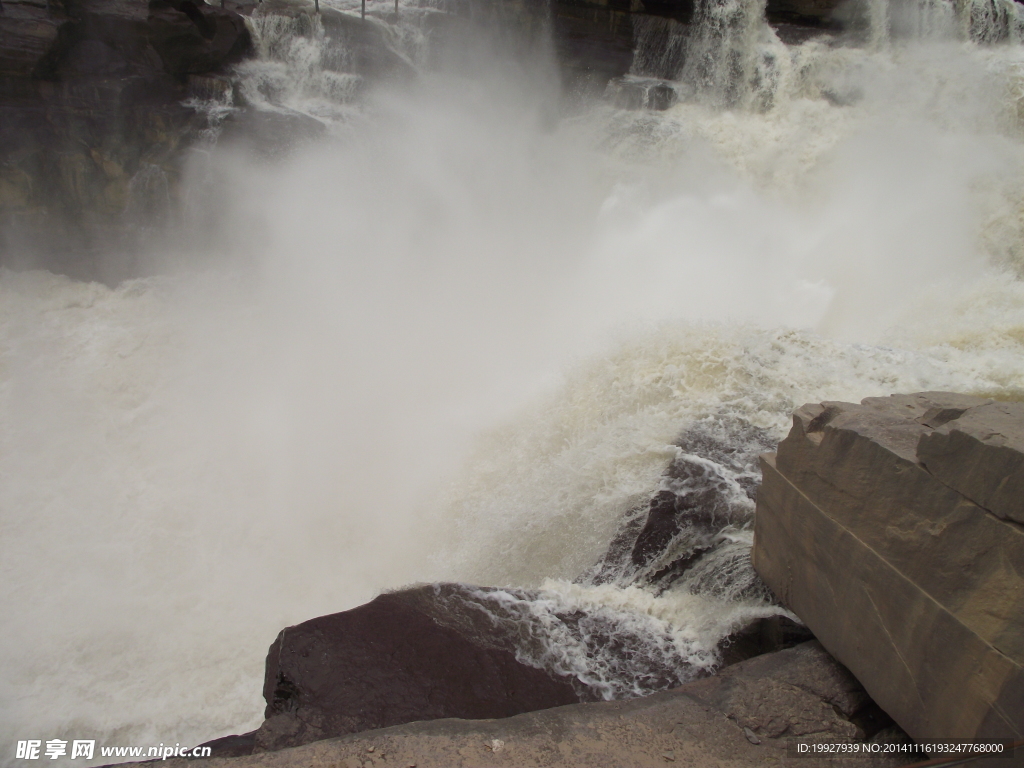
x=917, y=589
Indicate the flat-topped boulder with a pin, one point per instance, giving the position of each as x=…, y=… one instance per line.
x=889, y=527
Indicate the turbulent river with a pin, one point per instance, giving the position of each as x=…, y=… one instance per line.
x=459, y=337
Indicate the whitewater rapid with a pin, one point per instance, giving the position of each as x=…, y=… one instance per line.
x=457, y=340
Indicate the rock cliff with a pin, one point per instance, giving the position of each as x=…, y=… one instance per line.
x=98, y=98
x=92, y=121
x=892, y=528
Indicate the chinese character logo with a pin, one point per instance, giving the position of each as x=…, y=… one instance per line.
x=56, y=748
x=82, y=749
x=29, y=750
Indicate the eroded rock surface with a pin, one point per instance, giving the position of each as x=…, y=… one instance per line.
x=914, y=586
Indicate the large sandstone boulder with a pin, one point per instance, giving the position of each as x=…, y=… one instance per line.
x=872, y=527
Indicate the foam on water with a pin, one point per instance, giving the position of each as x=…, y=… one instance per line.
x=461, y=344
x=617, y=642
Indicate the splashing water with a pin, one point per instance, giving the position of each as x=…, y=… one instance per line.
x=455, y=340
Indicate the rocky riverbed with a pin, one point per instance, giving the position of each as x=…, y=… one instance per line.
x=454, y=653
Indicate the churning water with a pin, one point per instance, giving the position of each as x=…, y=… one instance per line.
x=459, y=337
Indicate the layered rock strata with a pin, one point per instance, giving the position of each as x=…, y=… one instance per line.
x=892, y=529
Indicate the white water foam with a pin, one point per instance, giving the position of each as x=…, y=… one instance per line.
x=460, y=344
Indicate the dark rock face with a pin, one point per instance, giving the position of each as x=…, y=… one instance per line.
x=764, y=636
x=822, y=14
x=390, y=662
x=27, y=32
x=593, y=43
x=194, y=38
x=869, y=527
x=92, y=125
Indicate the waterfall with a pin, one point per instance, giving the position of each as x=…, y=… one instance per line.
x=734, y=59
x=468, y=333
x=659, y=47
x=980, y=21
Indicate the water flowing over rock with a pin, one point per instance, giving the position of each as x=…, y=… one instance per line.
x=94, y=93
x=705, y=500
x=433, y=302
x=456, y=650
x=890, y=528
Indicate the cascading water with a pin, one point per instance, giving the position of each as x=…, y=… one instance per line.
x=724, y=55
x=981, y=21
x=454, y=339
x=659, y=47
